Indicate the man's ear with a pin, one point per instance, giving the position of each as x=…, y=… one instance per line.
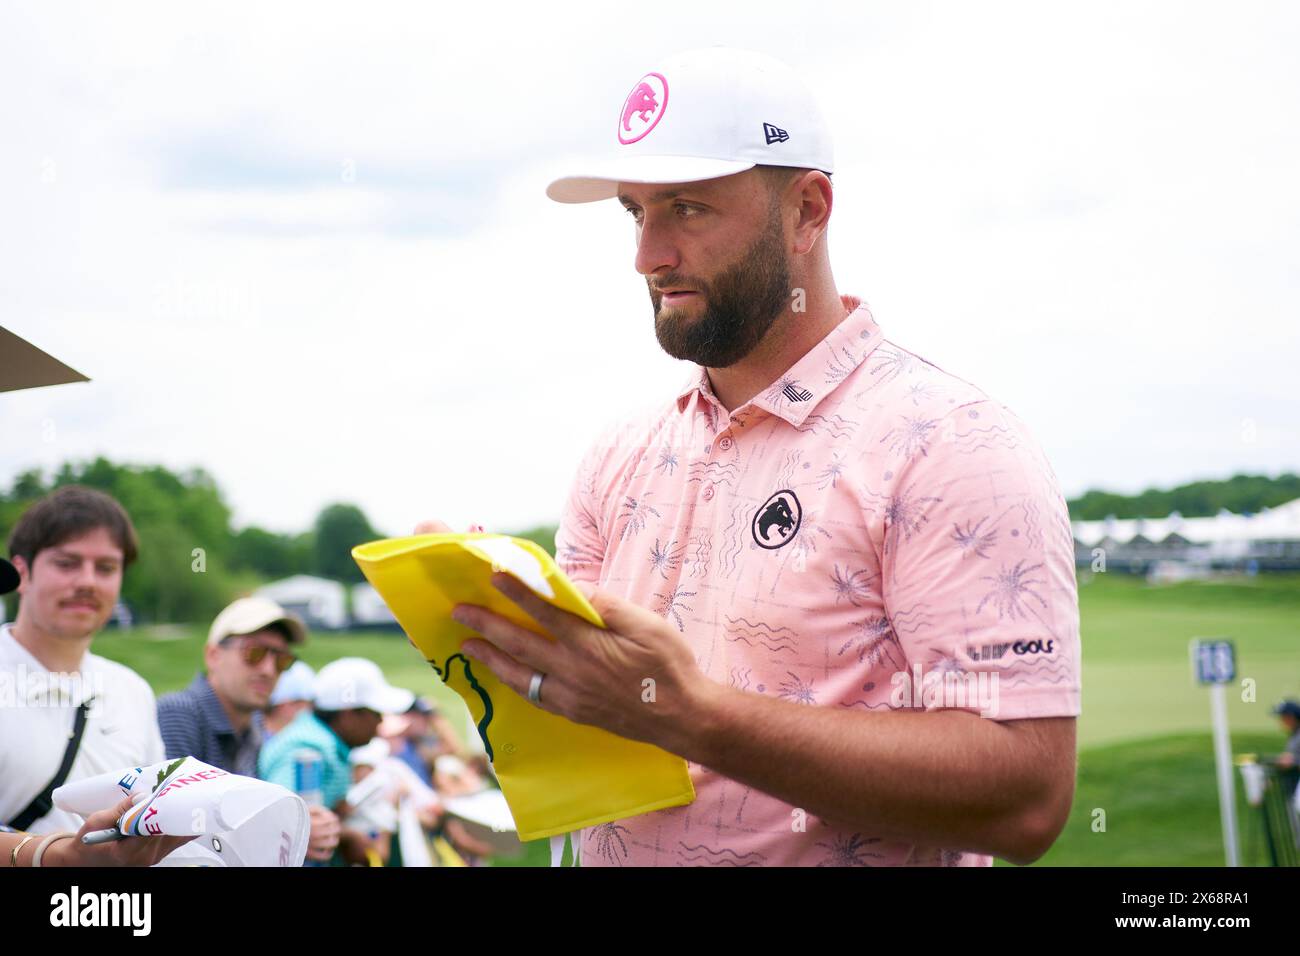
x=210, y=656
x=24, y=572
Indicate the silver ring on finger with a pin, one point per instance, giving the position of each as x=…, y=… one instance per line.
x=535, y=687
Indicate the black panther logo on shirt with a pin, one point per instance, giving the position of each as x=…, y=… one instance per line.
x=776, y=523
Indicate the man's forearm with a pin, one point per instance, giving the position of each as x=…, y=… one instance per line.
x=940, y=778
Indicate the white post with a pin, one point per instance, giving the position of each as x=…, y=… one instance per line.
x=1223, y=765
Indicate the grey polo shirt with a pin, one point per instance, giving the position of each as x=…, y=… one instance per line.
x=194, y=724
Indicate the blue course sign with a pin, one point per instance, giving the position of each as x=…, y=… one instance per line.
x=1214, y=661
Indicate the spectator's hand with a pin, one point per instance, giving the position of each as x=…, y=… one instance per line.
x=131, y=851
x=353, y=844
x=324, y=838
x=1286, y=759
x=462, y=841
x=429, y=815
x=434, y=526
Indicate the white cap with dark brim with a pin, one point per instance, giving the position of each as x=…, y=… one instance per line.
x=255, y=613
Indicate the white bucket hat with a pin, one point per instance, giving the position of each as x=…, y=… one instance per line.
x=701, y=114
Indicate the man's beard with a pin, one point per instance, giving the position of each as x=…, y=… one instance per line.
x=740, y=305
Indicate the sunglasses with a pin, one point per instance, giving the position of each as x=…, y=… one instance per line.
x=253, y=654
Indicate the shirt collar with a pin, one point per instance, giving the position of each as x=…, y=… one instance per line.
x=796, y=393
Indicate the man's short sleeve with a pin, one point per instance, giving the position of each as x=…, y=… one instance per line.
x=978, y=568
x=579, y=541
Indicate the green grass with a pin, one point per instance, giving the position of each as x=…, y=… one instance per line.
x=169, y=657
x=1160, y=803
x=1144, y=734
x=1137, y=676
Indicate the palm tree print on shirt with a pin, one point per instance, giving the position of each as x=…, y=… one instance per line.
x=608, y=838
x=1010, y=588
x=665, y=559
x=893, y=362
x=667, y=461
x=845, y=850
x=910, y=437
x=830, y=475
x=797, y=691
x=905, y=514
x=841, y=364
x=634, y=511
x=670, y=606
x=853, y=586
x=973, y=541
x=875, y=641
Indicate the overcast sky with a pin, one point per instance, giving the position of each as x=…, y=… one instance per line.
x=307, y=247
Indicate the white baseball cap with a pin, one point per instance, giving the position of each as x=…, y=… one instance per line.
x=251, y=614
x=351, y=682
x=701, y=114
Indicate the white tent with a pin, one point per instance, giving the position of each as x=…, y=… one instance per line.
x=320, y=602
x=369, y=609
x=1224, y=536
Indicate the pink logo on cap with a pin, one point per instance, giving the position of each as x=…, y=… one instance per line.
x=643, y=108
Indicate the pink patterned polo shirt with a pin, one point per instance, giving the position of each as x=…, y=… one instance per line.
x=869, y=532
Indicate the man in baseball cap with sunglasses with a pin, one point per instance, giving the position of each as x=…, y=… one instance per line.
x=218, y=718
x=791, y=549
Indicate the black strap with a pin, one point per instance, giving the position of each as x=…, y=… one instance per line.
x=43, y=802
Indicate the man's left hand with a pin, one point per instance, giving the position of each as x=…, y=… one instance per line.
x=636, y=677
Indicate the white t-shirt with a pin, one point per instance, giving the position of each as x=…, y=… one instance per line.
x=37, y=713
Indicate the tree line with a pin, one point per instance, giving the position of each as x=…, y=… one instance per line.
x=192, y=561
x=1240, y=494
x=184, y=523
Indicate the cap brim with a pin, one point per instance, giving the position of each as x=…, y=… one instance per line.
x=602, y=179
x=297, y=630
x=391, y=700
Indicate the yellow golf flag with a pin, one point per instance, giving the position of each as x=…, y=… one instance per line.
x=556, y=775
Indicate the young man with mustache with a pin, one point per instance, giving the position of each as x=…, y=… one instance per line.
x=67, y=713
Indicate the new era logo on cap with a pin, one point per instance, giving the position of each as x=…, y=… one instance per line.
x=774, y=134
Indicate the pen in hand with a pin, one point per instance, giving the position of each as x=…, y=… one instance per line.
x=96, y=837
